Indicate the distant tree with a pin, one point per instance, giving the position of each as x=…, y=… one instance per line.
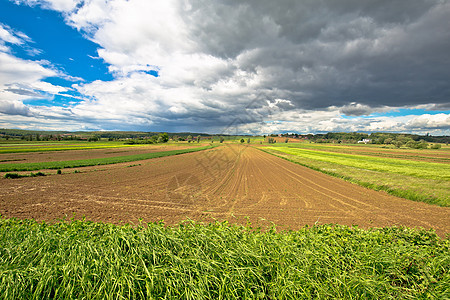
x=221, y=139
x=163, y=137
x=388, y=141
x=286, y=140
x=397, y=144
x=198, y=139
x=93, y=138
x=189, y=138
x=248, y=141
x=242, y=141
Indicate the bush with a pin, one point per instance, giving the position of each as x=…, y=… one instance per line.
x=37, y=174
x=436, y=146
x=59, y=171
x=12, y=175
x=417, y=145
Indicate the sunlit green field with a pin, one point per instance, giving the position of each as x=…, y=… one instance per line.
x=84, y=260
x=411, y=174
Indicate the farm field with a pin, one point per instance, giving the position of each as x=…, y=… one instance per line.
x=44, y=146
x=433, y=155
x=231, y=182
x=249, y=237
x=86, y=151
x=105, y=160
x=420, y=175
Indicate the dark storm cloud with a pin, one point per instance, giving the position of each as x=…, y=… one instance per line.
x=331, y=53
x=354, y=109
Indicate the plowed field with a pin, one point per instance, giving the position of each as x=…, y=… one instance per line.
x=230, y=182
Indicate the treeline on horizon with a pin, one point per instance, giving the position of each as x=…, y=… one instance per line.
x=374, y=138
x=330, y=137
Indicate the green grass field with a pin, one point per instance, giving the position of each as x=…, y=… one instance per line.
x=85, y=260
x=93, y=162
x=424, y=181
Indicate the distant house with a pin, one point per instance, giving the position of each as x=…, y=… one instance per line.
x=365, y=141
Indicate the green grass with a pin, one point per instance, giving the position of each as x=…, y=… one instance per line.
x=93, y=162
x=415, y=180
x=58, y=146
x=79, y=259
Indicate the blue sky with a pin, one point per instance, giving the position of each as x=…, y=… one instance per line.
x=225, y=66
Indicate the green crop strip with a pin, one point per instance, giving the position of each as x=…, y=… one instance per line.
x=41, y=148
x=391, y=165
x=86, y=260
x=93, y=162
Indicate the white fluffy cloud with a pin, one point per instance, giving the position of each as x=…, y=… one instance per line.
x=21, y=79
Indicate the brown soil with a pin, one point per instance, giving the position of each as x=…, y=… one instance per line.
x=230, y=182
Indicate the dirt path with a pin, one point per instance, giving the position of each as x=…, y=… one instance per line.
x=231, y=182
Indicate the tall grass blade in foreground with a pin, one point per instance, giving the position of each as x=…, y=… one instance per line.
x=78, y=259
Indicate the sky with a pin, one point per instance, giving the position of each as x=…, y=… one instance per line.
x=226, y=66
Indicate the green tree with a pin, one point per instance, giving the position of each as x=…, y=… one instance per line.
x=221, y=139
x=242, y=141
x=163, y=137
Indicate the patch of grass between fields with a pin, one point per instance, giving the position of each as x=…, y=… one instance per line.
x=79, y=259
x=94, y=161
x=15, y=175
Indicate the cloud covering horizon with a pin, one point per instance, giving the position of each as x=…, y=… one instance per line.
x=250, y=67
